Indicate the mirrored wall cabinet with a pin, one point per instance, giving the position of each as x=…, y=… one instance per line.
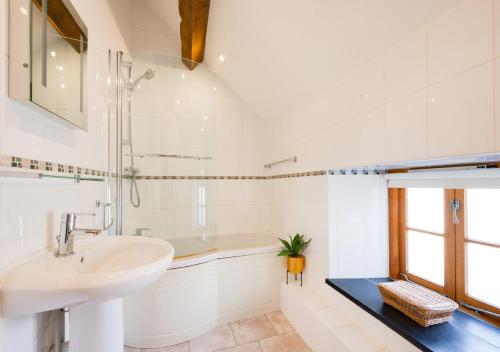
x=48, y=59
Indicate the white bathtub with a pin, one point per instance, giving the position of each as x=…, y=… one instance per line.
x=236, y=276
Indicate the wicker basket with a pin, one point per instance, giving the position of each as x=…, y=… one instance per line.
x=424, y=306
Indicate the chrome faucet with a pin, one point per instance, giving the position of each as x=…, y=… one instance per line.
x=68, y=231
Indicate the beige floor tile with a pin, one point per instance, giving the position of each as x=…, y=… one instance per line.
x=249, y=347
x=290, y=342
x=252, y=329
x=219, y=338
x=182, y=347
x=130, y=349
x=279, y=322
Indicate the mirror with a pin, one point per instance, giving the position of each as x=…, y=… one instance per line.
x=58, y=61
x=48, y=54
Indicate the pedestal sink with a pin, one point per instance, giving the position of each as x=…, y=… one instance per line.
x=91, y=282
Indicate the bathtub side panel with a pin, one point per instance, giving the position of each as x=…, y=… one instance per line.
x=216, y=292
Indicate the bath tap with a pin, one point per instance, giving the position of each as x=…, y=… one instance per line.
x=68, y=231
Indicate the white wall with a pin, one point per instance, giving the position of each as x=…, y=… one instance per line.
x=300, y=205
x=30, y=210
x=432, y=95
x=28, y=134
x=150, y=33
x=435, y=94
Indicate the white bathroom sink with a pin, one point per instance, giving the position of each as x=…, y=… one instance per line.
x=102, y=267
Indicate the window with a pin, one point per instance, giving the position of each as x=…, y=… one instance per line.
x=478, y=250
x=448, y=240
x=425, y=234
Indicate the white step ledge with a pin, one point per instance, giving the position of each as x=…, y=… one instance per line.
x=335, y=324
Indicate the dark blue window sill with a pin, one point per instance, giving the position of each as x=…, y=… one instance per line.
x=463, y=333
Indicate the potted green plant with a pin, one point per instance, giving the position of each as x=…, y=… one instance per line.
x=293, y=250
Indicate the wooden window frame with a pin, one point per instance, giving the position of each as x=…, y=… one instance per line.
x=455, y=238
x=461, y=260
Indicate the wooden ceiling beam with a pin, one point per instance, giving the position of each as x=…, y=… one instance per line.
x=193, y=29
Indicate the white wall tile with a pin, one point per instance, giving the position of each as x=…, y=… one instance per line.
x=461, y=114
x=369, y=86
x=357, y=207
x=405, y=66
x=406, y=128
x=340, y=103
x=252, y=192
x=351, y=234
x=139, y=15
x=496, y=5
x=253, y=163
x=4, y=29
x=371, y=136
x=158, y=42
x=250, y=219
x=460, y=39
x=251, y=136
x=139, y=39
x=344, y=139
x=233, y=136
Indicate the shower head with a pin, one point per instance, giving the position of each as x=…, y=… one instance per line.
x=148, y=74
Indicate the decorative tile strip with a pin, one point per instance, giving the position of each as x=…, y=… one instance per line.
x=299, y=174
x=33, y=164
x=200, y=177
x=17, y=162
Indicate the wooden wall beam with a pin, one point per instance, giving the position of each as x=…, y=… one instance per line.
x=193, y=29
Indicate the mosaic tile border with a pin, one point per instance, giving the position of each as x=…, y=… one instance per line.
x=40, y=165
x=271, y=177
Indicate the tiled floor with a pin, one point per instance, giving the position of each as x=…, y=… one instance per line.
x=269, y=332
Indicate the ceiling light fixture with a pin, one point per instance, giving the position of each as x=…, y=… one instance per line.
x=221, y=58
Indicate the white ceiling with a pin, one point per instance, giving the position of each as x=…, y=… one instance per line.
x=281, y=53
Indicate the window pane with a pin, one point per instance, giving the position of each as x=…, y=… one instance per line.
x=426, y=209
x=426, y=256
x=483, y=210
x=482, y=273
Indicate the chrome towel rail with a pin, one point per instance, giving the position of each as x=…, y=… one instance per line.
x=175, y=156
x=293, y=159
x=77, y=178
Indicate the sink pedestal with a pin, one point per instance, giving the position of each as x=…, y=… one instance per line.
x=96, y=326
